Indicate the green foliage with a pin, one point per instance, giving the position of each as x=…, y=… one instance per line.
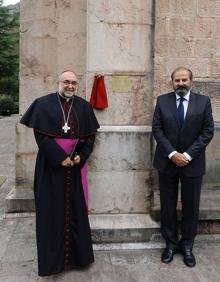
x=9, y=55
x=7, y=105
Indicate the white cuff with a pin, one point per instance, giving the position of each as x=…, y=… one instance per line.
x=171, y=154
x=187, y=156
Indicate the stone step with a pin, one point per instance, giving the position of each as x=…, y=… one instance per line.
x=118, y=228
x=124, y=228
x=209, y=214
x=20, y=200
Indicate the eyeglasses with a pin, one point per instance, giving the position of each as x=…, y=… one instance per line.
x=67, y=82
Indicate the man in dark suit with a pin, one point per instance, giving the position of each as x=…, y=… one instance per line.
x=182, y=127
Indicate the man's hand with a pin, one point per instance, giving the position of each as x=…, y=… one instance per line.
x=179, y=160
x=67, y=162
x=76, y=160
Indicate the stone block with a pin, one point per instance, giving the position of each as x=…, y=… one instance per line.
x=25, y=139
x=133, y=11
x=174, y=47
x=120, y=148
x=163, y=85
x=211, y=178
x=215, y=68
x=38, y=86
x=38, y=69
x=160, y=70
x=217, y=51
x=205, y=48
x=162, y=46
x=199, y=66
x=162, y=7
x=183, y=7
x=20, y=200
x=71, y=17
x=43, y=44
x=191, y=26
x=131, y=108
x=25, y=156
x=119, y=191
x=129, y=42
x=213, y=149
x=211, y=89
x=203, y=27
x=123, y=228
x=38, y=55
x=209, y=8
x=25, y=163
x=42, y=9
x=161, y=25
x=216, y=27
x=207, y=87
x=36, y=29
x=71, y=51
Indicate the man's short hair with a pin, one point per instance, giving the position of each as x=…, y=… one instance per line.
x=182, y=68
x=59, y=76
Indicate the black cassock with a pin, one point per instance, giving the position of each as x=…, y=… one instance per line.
x=62, y=226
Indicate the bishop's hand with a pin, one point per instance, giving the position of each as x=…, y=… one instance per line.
x=67, y=162
x=76, y=159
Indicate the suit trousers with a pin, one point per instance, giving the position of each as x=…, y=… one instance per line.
x=190, y=198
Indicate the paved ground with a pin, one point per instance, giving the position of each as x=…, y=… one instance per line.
x=114, y=263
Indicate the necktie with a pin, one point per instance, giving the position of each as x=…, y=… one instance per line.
x=180, y=110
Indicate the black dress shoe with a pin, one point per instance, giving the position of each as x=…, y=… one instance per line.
x=189, y=258
x=167, y=255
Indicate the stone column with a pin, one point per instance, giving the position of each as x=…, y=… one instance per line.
x=114, y=38
x=52, y=39
x=119, y=45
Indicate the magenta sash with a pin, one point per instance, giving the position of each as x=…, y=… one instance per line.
x=67, y=145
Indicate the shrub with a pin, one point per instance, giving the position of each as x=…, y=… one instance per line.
x=6, y=105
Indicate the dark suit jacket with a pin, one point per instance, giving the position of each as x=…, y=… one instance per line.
x=192, y=138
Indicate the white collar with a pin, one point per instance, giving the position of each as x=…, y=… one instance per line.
x=186, y=97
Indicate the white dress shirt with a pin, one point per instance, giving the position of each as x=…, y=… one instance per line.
x=185, y=106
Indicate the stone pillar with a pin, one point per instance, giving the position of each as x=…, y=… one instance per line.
x=48, y=28
x=119, y=45
x=114, y=38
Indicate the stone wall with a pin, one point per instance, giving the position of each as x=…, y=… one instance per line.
x=52, y=39
x=58, y=35
x=119, y=46
x=187, y=33
x=136, y=44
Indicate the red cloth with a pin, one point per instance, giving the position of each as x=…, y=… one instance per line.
x=98, y=98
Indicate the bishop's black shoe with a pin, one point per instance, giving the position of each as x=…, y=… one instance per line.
x=188, y=257
x=167, y=255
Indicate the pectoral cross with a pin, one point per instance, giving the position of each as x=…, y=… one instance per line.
x=65, y=127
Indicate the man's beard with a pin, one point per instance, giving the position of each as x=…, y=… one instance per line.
x=67, y=94
x=182, y=91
